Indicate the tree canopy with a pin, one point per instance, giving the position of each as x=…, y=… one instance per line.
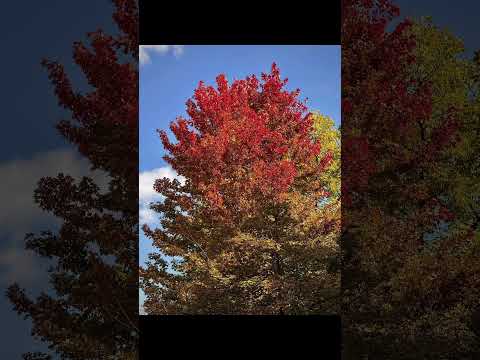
x=253, y=229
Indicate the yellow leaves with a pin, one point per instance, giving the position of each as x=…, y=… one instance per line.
x=325, y=132
x=215, y=273
x=251, y=282
x=196, y=260
x=251, y=243
x=438, y=58
x=172, y=250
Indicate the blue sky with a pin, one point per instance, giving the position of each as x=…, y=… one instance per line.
x=460, y=20
x=169, y=75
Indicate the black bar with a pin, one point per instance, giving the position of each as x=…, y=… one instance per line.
x=240, y=23
x=319, y=336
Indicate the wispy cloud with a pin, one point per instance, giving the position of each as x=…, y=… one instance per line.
x=146, y=51
x=148, y=195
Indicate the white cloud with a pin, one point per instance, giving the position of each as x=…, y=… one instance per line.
x=145, y=51
x=147, y=194
x=20, y=178
x=141, y=300
x=178, y=50
x=19, y=213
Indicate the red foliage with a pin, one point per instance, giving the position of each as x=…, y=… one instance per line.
x=382, y=105
x=247, y=140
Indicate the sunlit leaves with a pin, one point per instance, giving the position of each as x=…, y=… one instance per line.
x=250, y=233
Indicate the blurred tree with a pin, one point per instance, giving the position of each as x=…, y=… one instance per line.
x=405, y=95
x=90, y=314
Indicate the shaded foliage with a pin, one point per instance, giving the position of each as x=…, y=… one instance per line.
x=409, y=283
x=90, y=312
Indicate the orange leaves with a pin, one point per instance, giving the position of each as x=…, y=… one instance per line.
x=215, y=199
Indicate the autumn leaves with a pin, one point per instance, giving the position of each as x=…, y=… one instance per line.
x=246, y=224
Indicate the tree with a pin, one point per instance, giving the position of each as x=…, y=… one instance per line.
x=246, y=229
x=451, y=252
x=90, y=314
x=401, y=122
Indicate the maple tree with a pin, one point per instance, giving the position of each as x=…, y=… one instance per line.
x=250, y=230
x=405, y=294
x=90, y=312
